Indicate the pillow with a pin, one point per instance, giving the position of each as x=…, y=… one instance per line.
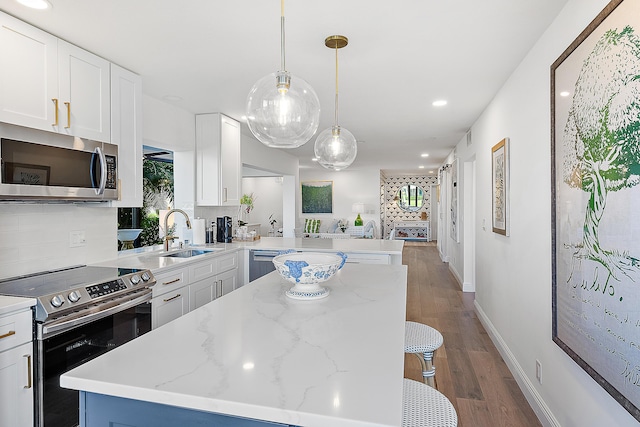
x=311, y=225
x=334, y=226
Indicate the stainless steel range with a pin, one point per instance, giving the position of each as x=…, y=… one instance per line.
x=81, y=313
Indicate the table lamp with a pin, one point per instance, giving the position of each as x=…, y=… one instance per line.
x=357, y=208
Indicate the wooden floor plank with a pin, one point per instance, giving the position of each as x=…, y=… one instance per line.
x=469, y=369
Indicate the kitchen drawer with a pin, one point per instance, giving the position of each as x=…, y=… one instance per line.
x=16, y=329
x=170, y=281
x=226, y=262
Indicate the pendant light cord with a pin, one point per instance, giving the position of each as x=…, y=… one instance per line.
x=282, y=62
x=336, y=118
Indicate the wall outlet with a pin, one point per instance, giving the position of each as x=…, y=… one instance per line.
x=539, y=371
x=77, y=239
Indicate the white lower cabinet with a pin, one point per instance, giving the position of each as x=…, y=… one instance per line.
x=16, y=370
x=227, y=282
x=202, y=292
x=169, y=307
x=170, y=296
x=179, y=291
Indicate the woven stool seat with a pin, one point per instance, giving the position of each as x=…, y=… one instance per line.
x=424, y=406
x=423, y=340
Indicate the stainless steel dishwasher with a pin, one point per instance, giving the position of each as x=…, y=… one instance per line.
x=260, y=263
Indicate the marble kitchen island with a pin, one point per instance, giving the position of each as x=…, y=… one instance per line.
x=257, y=355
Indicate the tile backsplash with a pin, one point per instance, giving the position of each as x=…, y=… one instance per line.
x=36, y=237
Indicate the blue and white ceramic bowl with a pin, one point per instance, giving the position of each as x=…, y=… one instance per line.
x=306, y=270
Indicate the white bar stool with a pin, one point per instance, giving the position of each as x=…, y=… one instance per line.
x=423, y=341
x=424, y=406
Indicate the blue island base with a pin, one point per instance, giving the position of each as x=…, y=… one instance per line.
x=99, y=410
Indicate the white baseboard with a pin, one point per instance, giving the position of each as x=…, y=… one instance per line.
x=544, y=414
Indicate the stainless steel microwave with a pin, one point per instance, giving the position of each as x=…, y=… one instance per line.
x=38, y=165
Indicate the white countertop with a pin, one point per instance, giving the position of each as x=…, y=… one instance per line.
x=151, y=261
x=11, y=304
x=256, y=353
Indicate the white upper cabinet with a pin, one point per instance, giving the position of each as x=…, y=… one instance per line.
x=218, y=161
x=126, y=132
x=84, y=93
x=28, y=75
x=49, y=84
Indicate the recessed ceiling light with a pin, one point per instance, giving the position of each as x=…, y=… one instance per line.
x=439, y=103
x=420, y=167
x=314, y=159
x=424, y=155
x=430, y=171
x=564, y=93
x=36, y=4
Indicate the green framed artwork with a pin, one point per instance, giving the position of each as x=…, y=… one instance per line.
x=317, y=197
x=595, y=172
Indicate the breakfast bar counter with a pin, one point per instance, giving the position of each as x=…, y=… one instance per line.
x=257, y=357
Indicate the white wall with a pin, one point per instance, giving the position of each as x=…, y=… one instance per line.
x=513, y=287
x=267, y=193
x=349, y=187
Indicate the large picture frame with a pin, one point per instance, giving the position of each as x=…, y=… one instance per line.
x=454, y=211
x=500, y=187
x=317, y=197
x=595, y=172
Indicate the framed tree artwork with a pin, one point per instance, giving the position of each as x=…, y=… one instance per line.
x=595, y=147
x=500, y=187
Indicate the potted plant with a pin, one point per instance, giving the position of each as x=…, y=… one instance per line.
x=272, y=222
x=247, y=205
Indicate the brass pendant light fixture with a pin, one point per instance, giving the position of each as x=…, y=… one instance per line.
x=283, y=111
x=336, y=148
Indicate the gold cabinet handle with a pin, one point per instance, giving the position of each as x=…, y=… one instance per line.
x=28, y=356
x=68, y=104
x=8, y=334
x=55, y=111
x=172, y=298
x=171, y=281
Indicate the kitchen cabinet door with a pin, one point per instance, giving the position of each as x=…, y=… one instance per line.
x=227, y=282
x=126, y=132
x=218, y=161
x=202, y=292
x=28, y=75
x=169, y=306
x=84, y=93
x=16, y=386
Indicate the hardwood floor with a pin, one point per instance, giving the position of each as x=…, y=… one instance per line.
x=469, y=369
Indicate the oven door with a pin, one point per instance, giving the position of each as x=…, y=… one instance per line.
x=68, y=344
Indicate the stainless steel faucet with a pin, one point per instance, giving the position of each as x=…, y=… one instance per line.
x=170, y=238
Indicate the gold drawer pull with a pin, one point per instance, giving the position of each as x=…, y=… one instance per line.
x=8, y=334
x=171, y=281
x=172, y=298
x=28, y=356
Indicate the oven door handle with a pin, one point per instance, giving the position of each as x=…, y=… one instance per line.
x=81, y=319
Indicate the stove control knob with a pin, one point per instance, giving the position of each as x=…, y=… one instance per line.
x=146, y=277
x=73, y=296
x=57, y=301
x=135, y=279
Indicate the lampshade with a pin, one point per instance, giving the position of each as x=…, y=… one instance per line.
x=283, y=111
x=336, y=148
x=357, y=208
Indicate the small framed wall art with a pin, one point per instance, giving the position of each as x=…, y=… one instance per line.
x=500, y=187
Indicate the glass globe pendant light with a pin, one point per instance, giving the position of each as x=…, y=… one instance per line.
x=336, y=147
x=283, y=111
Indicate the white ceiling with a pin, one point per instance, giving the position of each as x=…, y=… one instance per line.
x=402, y=55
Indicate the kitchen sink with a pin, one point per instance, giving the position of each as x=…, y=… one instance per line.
x=190, y=253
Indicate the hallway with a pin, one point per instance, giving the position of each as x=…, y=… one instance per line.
x=470, y=371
